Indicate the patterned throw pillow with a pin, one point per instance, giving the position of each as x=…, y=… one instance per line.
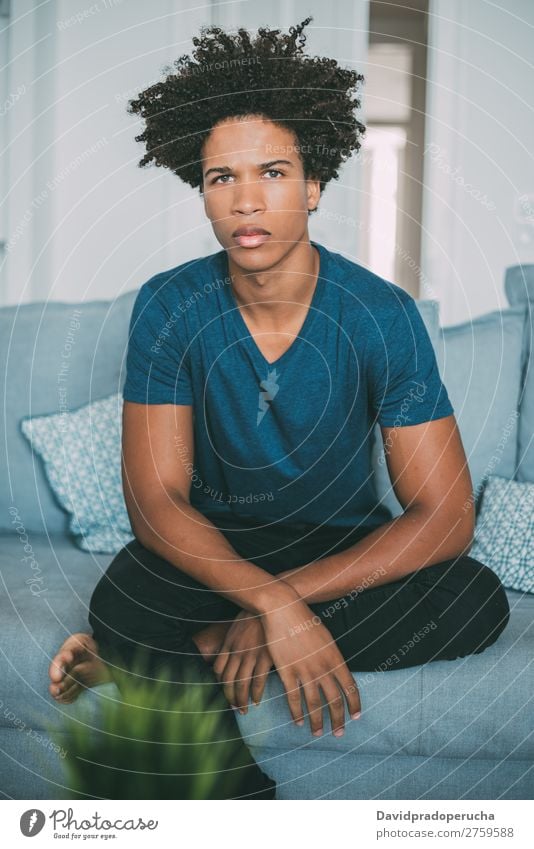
x=81, y=451
x=504, y=534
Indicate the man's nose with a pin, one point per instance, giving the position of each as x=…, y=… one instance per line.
x=248, y=196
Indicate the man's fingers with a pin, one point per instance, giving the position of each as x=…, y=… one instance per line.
x=229, y=676
x=350, y=689
x=314, y=705
x=336, y=704
x=220, y=663
x=293, y=695
x=242, y=683
x=261, y=673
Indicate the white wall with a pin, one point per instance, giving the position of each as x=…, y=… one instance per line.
x=82, y=221
x=106, y=225
x=479, y=148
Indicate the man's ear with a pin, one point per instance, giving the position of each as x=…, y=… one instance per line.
x=313, y=189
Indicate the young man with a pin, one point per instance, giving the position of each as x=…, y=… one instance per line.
x=255, y=377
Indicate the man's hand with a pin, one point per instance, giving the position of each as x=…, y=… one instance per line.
x=210, y=639
x=244, y=661
x=306, y=655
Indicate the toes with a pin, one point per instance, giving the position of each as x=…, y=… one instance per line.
x=66, y=691
x=70, y=695
x=68, y=680
x=59, y=665
x=55, y=671
x=91, y=672
x=74, y=690
x=76, y=648
x=57, y=690
x=75, y=666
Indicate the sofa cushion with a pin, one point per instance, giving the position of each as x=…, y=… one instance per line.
x=45, y=589
x=56, y=356
x=519, y=287
x=480, y=364
x=479, y=706
x=504, y=534
x=81, y=451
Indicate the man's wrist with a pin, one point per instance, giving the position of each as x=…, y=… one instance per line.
x=274, y=596
x=292, y=577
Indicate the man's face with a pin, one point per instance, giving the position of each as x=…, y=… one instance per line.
x=252, y=187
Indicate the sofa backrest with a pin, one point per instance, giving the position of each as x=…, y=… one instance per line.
x=60, y=356
x=481, y=365
x=519, y=288
x=429, y=310
x=55, y=356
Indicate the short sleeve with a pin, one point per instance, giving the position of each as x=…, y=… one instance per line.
x=405, y=386
x=157, y=369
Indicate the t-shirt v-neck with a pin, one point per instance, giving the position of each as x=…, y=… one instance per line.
x=234, y=313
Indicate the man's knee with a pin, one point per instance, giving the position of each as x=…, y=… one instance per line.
x=495, y=605
x=484, y=594
x=129, y=599
x=117, y=582
x=143, y=595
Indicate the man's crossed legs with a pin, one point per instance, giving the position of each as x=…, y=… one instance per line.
x=445, y=611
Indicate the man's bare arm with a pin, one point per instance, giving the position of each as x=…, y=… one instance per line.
x=431, y=479
x=157, y=450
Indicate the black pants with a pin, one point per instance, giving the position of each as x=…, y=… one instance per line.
x=441, y=612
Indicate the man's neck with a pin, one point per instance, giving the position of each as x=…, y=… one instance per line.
x=286, y=289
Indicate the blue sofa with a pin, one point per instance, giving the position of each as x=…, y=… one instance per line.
x=461, y=729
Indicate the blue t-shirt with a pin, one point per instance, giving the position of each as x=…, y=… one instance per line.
x=288, y=441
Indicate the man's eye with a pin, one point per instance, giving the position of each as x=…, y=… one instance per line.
x=270, y=171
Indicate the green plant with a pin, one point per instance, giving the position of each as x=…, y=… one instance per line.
x=158, y=741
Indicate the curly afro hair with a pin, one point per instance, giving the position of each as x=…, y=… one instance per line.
x=269, y=77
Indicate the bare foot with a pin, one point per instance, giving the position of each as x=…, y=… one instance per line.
x=75, y=667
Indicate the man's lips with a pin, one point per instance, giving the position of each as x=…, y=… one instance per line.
x=252, y=240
